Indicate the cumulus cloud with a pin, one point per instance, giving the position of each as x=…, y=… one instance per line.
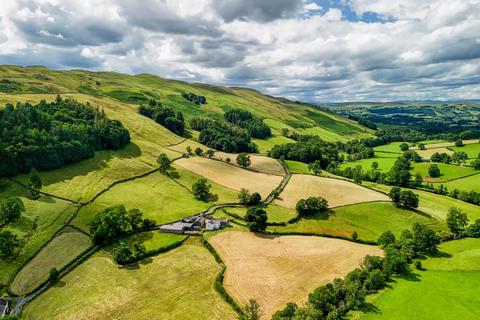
x=302, y=49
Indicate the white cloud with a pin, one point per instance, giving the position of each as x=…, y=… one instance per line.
x=430, y=49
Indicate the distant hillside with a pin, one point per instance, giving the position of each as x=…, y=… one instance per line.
x=276, y=112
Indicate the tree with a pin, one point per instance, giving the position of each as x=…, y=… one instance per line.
x=8, y=242
x=387, y=238
x=286, y=313
x=425, y=239
x=311, y=205
x=394, y=194
x=251, y=311
x=434, y=171
x=243, y=160
x=255, y=198
x=418, y=179
x=228, y=160
x=189, y=150
x=201, y=189
x=257, y=219
x=459, y=157
x=475, y=164
x=122, y=254
x=400, y=172
x=163, y=163
x=315, y=167
x=210, y=153
x=421, y=146
x=244, y=196
x=374, y=165
x=456, y=221
x=53, y=275
x=11, y=208
x=354, y=235
x=404, y=146
x=459, y=143
x=403, y=199
x=198, y=151
x=35, y=180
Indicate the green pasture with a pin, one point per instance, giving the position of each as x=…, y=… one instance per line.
x=447, y=171
x=472, y=150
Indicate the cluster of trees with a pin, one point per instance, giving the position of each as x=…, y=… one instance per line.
x=245, y=119
x=199, y=123
x=50, y=135
x=247, y=198
x=414, y=135
x=11, y=208
x=467, y=196
x=403, y=198
x=124, y=253
x=192, y=97
x=116, y=221
x=256, y=219
x=225, y=136
x=165, y=116
x=441, y=157
x=201, y=190
x=311, y=206
x=334, y=300
x=457, y=222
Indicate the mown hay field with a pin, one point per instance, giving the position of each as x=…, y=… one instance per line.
x=447, y=289
x=231, y=176
x=427, y=153
x=368, y=220
x=157, y=196
x=278, y=270
x=337, y=192
x=65, y=247
x=175, y=285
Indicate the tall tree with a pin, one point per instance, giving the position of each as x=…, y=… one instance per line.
x=315, y=167
x=251, y=311
x=164, y=163
x=11, y=209
x=257, y=219
x=456, y=221
x=243, y=160
x=8, y=242
x=201, y=189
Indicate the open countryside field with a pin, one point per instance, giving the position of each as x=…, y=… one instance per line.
x=173, y=285
x=275, y=213
x=369, y=220
x=264, y=145
x=447, y=171
x=436, y=205
x=42, y=218
x=470, y=183
x=157, y=196
x=446, y=144
x=472, y=150
x=393, y=147
x=153, y=239
x=448, y=289
x=277, y=270
x=427, y=153
x=337, y=192
x=259, y=163
x=384, y=164
x=65, y=247
x=231, y=176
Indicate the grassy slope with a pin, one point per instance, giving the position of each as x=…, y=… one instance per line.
x=465, y=184
x=369, y=220
x=43, y=217
x=436, y=205
x=448, y=289
x=472, y=150
x=56, y=254
x=447, y=171
x=174, y=285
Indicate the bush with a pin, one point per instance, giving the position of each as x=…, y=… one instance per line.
x=311, y=205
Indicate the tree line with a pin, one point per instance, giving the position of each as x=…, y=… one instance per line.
x=245, y=119
x=50, y=135
x=164, y=116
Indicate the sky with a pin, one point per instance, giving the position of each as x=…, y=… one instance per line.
x=317, y=51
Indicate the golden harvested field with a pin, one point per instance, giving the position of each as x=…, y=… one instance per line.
x=427, y=154
x=278, y=270
x=337, y=192
x=231, y=176
x=259, y=163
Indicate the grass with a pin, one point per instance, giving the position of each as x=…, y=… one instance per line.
x=275, y=270
x=297, y=167
x=471, y=183
x=447, y=171
x=66, y=246
x=337, y=192
x=448, y=289
x=264, y=145
x=157, y=196
x=436, y=205
x=384, y=164
x=153, y=239
x=393, y=147
x=173, y=285
x=275, y=213
x=43, y=217
x=472, y=150
x=369, y=220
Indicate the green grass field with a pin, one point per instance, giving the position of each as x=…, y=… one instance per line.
x=434, y=204
x=471, y=183
x=391, y=147
x=472, y=150
x=66, y=246
x=43, y=217
x=264, y=145
x=157, y=196
x=275, y=213
x=152, y=240
x=384, y=164
x=369, y=220
x=174, y=285
x=447, y=171
x=448, y=289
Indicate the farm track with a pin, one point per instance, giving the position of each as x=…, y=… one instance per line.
x=21, y=301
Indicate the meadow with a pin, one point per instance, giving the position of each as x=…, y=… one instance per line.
x=368, y=220
x=291, y=266
x=337, y=192
x=173, y=285
x=275, y=213
x=384, y=164
x=472, y=150
x=447, y=289
x=66, y=246
x=447, y=171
